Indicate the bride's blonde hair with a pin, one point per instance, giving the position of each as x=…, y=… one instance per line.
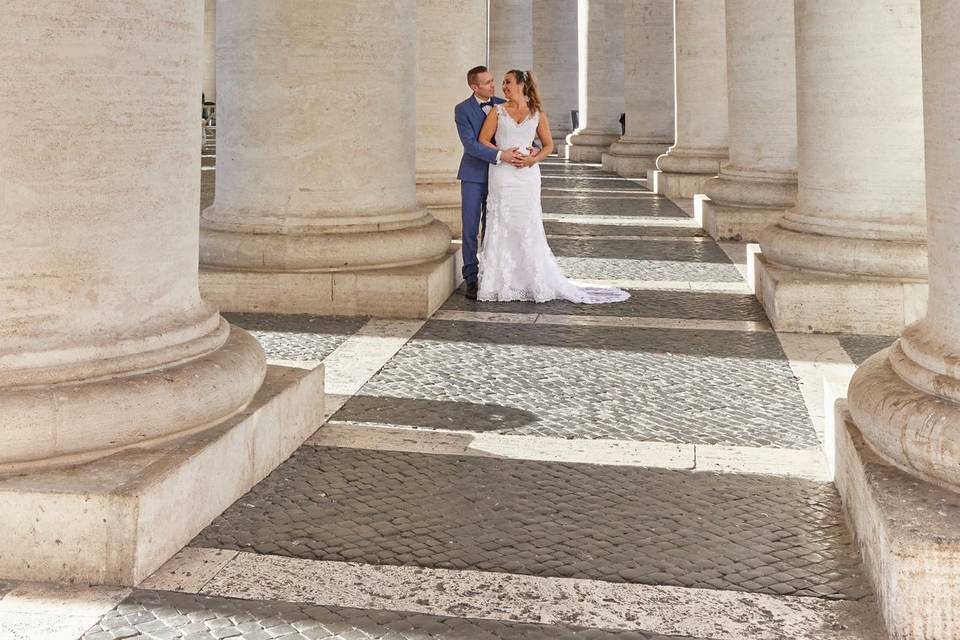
x=529, y=88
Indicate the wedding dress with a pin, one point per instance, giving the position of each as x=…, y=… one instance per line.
x=516, y=262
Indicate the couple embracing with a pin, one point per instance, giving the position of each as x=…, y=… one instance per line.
x=500, y=191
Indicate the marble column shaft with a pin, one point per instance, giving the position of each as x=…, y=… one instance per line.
x=648, y=87
x=701, y=97
x=759, y=182
x=105, y=342
x=447, y=46
x=317, y=139
x=511, y=37
x=859, y=224
x=906, y=399
x=555, y=64
x=210, y=50
x=601, y=76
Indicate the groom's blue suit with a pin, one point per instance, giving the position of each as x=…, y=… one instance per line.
x=474, y=167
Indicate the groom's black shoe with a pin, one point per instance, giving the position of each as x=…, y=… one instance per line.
x=470, y=290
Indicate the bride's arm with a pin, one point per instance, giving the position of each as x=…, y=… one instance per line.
x=543, y=132
x=489, y=129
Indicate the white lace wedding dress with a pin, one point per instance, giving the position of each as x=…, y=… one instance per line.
x=516, y=262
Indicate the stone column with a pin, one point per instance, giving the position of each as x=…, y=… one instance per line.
x=555, y=65
x=315, y=208
x=447, y=46
x=905, y=400
x=210, y=50
x=759, y=182
x=648, y=85
x=511, y=37
x=105, y=342
x=601, y=78
x=851, y=256
x=701, y=98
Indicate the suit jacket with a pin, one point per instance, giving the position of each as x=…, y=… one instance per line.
x=476, y=158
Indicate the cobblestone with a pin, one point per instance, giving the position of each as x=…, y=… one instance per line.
x=859, y=348
x=299, y=337
x=609, y=205
x=585, y=183
x=618, y=524
x=613, y=269
x=155, y=615
x=648, y=303
x=575, y=229
x=667, y=385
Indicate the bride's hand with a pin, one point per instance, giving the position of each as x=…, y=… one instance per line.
x=528, y=161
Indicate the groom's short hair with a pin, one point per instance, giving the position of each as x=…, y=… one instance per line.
x=473, y=73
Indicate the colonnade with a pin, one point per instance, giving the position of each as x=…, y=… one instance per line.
x=336, y=188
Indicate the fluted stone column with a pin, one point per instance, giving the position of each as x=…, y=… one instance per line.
x=701, y=99
x=315, y=207
x=450, y=40
x=648, y=85
x=759, y=183
x=851, y=256
x=905, y=400
x=105, y=342
x=210, y=50
x=511, y=37
x=601, y=77
x=555, y=64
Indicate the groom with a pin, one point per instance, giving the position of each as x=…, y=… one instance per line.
x=476, y=160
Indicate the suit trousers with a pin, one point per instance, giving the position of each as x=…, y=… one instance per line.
x=473, y=214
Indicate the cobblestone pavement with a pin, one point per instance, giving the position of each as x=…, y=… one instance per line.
x=596, y=184
x=669, y=385
x=624, y=525
x=652, y=303
x=163, y=615
x=713, y=531
x=610, y=205
x=299, y=337
x=859, y=348
x=571, y=229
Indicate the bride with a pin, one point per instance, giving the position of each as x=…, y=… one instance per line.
x=516, y=262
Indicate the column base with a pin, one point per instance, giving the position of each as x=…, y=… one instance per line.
x=589, y=146
x=441, y=197
x=812, y=302
x=402, y=292
x=909, y=537
x=741, y=202
x=116, y=520
x=740, y=223
x=633, y=159
x=681, y=185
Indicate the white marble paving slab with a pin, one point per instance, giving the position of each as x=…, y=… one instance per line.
x=485, y=316
x=676, y=285
x=654, y=323
x=823, y=369
x=364, y=353
x=797, y=463
x=189, y=570
x=491, y=445
x=691, y=239
x=719, y=615
x=626, y=221
x=35, y=611
x=308, y=365
x=44, y=626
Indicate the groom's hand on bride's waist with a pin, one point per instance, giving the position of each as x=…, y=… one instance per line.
x=510, y=156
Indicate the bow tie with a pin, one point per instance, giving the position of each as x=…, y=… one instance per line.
x=489, y=103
